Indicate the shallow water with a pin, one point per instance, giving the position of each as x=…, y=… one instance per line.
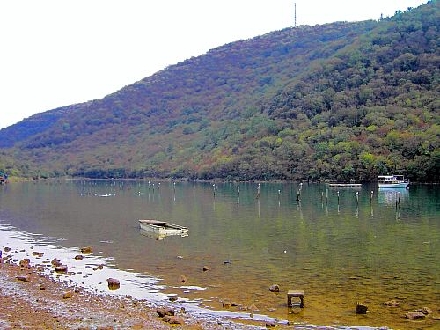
x=341, y=246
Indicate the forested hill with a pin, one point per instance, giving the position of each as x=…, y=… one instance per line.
x=339, y=101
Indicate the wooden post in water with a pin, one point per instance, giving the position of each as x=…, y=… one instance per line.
x=397, y=200
x=371, y=196
x=258, y=191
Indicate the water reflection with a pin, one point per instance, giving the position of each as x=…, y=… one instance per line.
x=339, y=246
x=392, y=196
x=161, y=236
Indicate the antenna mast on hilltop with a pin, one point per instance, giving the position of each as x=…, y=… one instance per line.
x=295, y=14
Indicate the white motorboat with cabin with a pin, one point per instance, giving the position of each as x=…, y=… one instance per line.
x=392, y=181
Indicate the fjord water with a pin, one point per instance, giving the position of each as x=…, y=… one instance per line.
x=340, y=245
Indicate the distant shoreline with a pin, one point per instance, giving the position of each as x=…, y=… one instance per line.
x=20, y=179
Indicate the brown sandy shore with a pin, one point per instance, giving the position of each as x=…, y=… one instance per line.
x=30, y=299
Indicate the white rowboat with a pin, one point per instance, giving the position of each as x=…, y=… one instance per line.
x=163, y=228
x=392, y=181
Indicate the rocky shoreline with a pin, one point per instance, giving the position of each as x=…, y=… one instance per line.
x=38, y=291
x=32, y=299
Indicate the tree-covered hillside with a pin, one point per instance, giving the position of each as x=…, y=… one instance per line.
x=340, y=101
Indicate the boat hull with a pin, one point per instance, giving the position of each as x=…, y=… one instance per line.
x=394, y=185
x=162, y=228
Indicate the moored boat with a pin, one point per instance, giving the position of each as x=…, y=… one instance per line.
x=162, y=228
x=392, y=181
x=344, y=185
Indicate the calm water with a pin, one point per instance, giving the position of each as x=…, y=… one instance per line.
x=338, y=249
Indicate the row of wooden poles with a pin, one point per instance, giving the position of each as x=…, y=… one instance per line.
x=298, y=194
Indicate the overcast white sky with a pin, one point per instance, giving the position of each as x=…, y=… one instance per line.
x=60, y=52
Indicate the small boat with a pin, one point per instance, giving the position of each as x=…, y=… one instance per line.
x=162, y=228
x=392, y=181
x=344, y=185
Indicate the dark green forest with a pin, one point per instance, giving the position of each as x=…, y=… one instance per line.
x=341, y=101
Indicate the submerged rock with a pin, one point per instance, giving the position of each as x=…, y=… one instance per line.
x=274, y=288
x=392, y=303
x=425, y=310
x=227, y=303
x=415, y=315
x=361, y=308
x=86, y=249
